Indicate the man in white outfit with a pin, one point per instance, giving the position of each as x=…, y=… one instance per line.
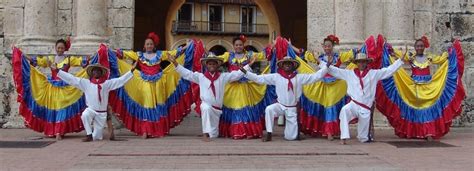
x=288, y=85
x=96, y=90
x=211, y=88
x=362, y=84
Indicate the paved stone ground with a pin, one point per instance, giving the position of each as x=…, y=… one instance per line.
x=184, y=150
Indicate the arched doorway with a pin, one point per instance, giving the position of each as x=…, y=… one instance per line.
x=217, y=50
x=158, y=16
x=251, y=48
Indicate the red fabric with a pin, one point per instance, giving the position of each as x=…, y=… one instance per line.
x=281, y=46
x=425, y=41
x=313, y=126
x=199, y=52
x=154, y=37
x=436, y=128
x=98, y=82
x=212, y=78
x=288, y=77
x=361, y=104
x=242, y=130
x=420, y=71
x=158, y=128
x=49, y=129
x=68, y=44
x=148, y=70
x=333, y=38
x=360, y=76
x=104, y=56
x=243, y=38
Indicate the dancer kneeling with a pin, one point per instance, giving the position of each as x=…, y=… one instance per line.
x=96, y=90
x=211, y=88
x=288, y=85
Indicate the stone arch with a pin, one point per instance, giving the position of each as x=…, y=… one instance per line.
x=267, y=7
x=226, y=44
x=178, y=43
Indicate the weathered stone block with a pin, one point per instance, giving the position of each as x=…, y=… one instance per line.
x=122, y=38
x=423, y=24
x=121, y=17
x=451, y=6
x=2, y=11
x=64, y=22
x=462, y=25
x=442, y=30
x=14, y=3
x=13, y=21
x=64, y=4
x=122, y=3
x=423, y=5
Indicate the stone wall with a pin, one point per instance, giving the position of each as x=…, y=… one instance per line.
x=400, y=21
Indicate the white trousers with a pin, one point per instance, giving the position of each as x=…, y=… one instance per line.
x=349, y=112
x=291, y=124
x=210, y=119
x=90, y=117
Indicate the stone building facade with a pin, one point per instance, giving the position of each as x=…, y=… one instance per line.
x=34, y=25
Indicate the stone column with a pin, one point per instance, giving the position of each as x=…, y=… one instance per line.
x=373, y=17
x=39, y=26
x=91, y=24
x=320, y=22
x=398, y=22
x=350, y=22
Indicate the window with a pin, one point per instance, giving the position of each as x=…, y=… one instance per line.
x=247, y=17
x=185, y=17
x=215, y=18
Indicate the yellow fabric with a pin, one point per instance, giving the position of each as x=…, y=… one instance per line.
x=74, y=61
x=238, y=95
x=149, y=94
x=344, y=57
x=432, y=59
x=259, y=56
x=45, y=94
x=326, y=94
x=132, y=55
x=247, y=93
x=421, y=96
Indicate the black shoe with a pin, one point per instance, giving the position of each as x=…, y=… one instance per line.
x=88, y=138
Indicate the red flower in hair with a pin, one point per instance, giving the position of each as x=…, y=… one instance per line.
x=68, y=44
x=243, y=38
x=154, y=37
x=425, y=41
x=334, y=39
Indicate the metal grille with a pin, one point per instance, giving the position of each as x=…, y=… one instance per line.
x=418, y=144
x=25, y=144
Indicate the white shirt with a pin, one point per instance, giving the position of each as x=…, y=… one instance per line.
x=288, y=97
x=90, y=89
x=354, y=89
x=205, y=90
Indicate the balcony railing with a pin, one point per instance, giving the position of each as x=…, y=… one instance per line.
x=228, y=28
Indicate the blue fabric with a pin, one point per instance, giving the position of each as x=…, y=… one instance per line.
x=160, y=110
x=249, y=113
x=421, y=78
x=42, y=112
x=326, y=114
x=433, y=112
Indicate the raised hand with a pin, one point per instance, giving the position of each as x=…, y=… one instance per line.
x=54, y=66
x=172, y=59
x=134, y=66
x=252, y=60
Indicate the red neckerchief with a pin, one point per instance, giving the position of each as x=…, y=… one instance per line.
x=211, y=78
x=99, y=87
x=289, y=77
x=361, y=75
